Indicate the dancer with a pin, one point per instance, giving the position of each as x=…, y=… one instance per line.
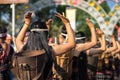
x=94, y=53
x=36, y=57
x=6, y=53
x=105, y=63
x=79, y=63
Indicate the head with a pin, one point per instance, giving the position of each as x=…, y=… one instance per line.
x=3, y=33
x=8, y=39
x=80, y=37
x=38, y=36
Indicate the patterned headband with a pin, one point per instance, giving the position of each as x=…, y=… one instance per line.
x=39, y=29
x=3, y=34
x=80, y=38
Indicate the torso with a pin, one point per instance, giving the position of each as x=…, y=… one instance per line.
x=36, y=67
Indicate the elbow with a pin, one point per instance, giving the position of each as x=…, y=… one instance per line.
x=103, y=48
x=73, y=45
x=94, y=43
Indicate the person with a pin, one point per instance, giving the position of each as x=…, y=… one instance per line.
x=94, y=53
x=63, y=62
x=115, y=57
x=6, y=53
x=35, y=58
x=8, y=39
x=79, y=61
x=105, y=64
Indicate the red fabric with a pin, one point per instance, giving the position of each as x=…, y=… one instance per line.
x=118, y=30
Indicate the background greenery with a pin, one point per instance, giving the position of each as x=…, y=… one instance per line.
x=44, y=14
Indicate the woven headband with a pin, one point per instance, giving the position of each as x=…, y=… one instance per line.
x=64, y=34
x=80, y=38
x=39, y=29
x=3, y=34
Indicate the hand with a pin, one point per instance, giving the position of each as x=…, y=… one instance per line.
x=90, y=24
x=63, y=18
x=27, y=17
x=48, y=23
x=99, y=31
x=112, y=37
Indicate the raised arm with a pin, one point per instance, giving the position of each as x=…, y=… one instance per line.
x=88, y=45
x=101, y=38
x=114, y=45
x=20, y=37
x=62, y=48
x=117, y=50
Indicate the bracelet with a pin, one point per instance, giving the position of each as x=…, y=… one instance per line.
x=27, y=24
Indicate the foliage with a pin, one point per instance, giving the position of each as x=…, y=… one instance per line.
x=49, y=12
x=105, y=7
x=81, y=25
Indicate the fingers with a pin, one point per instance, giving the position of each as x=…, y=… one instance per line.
x=49, y=21
x=63, y=14
x=28, y=14
x=99, y=31
x=88, y=20
x=58, y=15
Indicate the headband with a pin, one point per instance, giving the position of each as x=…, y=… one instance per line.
x=3, y=34
x=64, y=34
x=80, y=38
x=39, y=29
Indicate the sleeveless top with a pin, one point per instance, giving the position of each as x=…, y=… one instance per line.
x=35, y=67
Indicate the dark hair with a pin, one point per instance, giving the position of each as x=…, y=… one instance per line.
x=3, y=30
x=80, y=34
x=63, y=30
x=37, y=39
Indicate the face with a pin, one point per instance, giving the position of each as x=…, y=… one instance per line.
x=8, y=41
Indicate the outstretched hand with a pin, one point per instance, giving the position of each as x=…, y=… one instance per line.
x=28, y=17
x=90, y=24
x=99, y=31
x=62, y=17
x=48, y=23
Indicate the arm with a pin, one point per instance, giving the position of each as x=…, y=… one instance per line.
x=118, y=49
x=81, y=47
x=20, y=37
x=62, y=48
x=101, y=38
x=114, y=45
